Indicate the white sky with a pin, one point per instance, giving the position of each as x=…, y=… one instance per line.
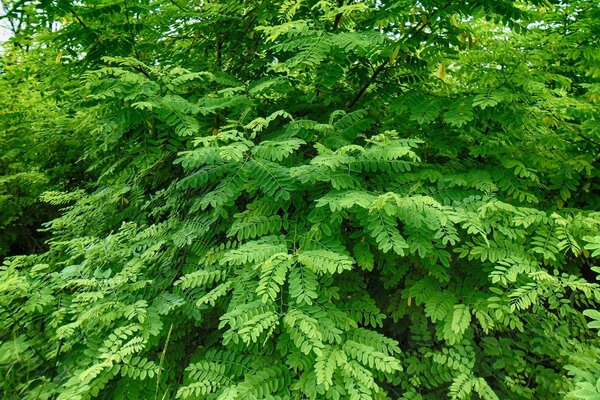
x=4, y=31
x=4, y=34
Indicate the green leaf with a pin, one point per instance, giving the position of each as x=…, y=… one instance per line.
x=325, y=261
x=461, y=319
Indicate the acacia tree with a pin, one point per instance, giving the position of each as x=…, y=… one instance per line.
x=313, y=199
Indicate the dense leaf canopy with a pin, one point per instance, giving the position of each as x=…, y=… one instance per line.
x=293, y=199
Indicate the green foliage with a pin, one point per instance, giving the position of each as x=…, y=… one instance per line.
x=358, y=200
x=37, y=150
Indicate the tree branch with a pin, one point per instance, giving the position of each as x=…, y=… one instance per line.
x=219, y=49
x=413, y=32
x=581, y=135
x=79, y=19
x=182, y=8
x=12, y=10
x=338, y=17
x=142, y=70
x=132, y=37
x=364, y=88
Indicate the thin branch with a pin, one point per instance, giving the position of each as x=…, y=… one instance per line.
x=162, y=359
x=197, y=36
x=25, y=330
x=338, y=17
x=56, y=360
x=14, y=17
x=131, y=32
x=141, y=69
x=581, y=135
x=336, y=21
x=219, y=49
x=250, y=23
x=412, y=33
x=79, y=19
x=254, y=11
x=12, y=10
x=182, y=8
x=250, y=11
x=364, y=88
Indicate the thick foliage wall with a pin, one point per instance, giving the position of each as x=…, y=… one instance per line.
x=301, y=200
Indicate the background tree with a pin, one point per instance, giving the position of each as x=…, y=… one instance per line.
x=307, y=199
